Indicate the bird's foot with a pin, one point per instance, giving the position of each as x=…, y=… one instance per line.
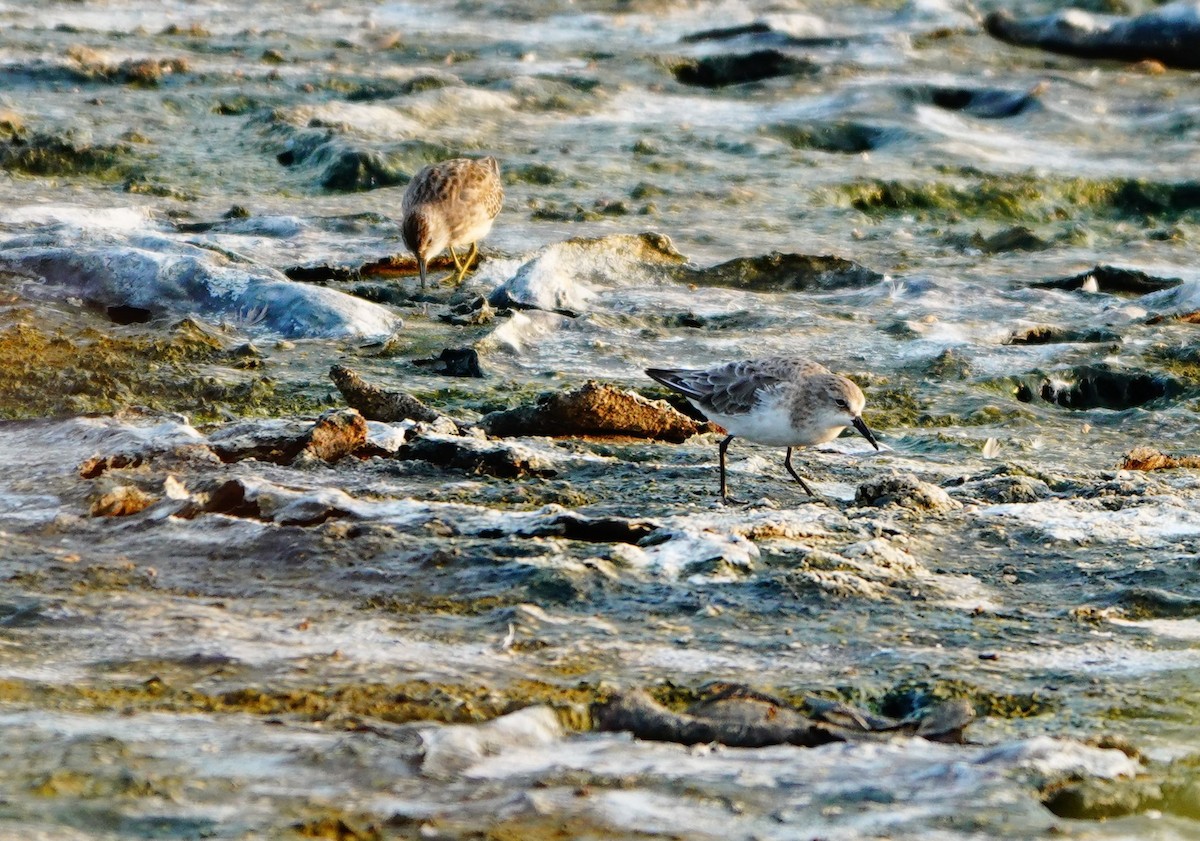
x=730, y=500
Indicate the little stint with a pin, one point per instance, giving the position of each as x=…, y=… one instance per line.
x=779, y=401
x=450, y=203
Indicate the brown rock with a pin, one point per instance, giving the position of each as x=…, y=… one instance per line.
x=376, y=404
x=1148, y=458
x=122, y=501
x=596, y=410
x=337, y=433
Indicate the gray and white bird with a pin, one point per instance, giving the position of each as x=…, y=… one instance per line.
x=450, y=203
x=779, y=401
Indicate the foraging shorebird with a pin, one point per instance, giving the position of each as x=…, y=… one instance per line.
x=447, y=204
x=779, y=401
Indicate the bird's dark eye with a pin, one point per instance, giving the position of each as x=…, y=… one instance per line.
x=841, y=404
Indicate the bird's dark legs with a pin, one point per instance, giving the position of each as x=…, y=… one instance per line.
x=724, y=495
x=787, y=462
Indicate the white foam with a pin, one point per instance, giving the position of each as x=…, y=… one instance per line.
x=106, y=218
x=1153, y=521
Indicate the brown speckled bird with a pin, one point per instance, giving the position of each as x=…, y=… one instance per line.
x=450, y=203
x=780, y=401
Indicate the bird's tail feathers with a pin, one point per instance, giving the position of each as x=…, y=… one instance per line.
x=676, y=380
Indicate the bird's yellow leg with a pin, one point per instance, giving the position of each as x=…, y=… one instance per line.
x=466, y=264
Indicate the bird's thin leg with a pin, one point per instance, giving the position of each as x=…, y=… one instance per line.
x=466, y=266
x=724, y=494
x=787, y=462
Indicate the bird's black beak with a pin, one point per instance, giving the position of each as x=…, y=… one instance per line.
x=421, y=269
x=862, y=427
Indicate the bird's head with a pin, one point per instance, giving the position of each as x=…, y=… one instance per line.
x=845, y=402
x=425, y=236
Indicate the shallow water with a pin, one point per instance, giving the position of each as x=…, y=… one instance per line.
x=296, y=663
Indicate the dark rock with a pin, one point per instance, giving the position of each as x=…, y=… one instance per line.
x=574, y=526
x=637, y=713
x=1114, y=281
x=1004, y=489
x=905, y=491
x=987, y=103
x=945, y=722
x=476, y=313
x=762, y=34
x=721, y=70
x=1153, y=603
x=738, y=716
x=124, y=314
x=337, y=433
x=1048, y=334
x=454, y=362
x=322, y=273
x=595, y=410
x=353, y=170
x=343, y=165
x=1016, y=238
x=1168, y=35
x=477, y=456
x=376, y=404
x=777, y=272
x=389, y=88
x=1101, y=386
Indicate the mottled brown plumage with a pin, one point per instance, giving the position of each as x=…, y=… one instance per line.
x=782, y=401
x=450, y=203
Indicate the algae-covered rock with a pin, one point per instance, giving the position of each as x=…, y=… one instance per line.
x=777, y=272
x=848, y=137
x=53, y=155
x=597, y=410
x=1049, y=334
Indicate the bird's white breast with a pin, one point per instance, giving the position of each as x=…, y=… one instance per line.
x=771, y=422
